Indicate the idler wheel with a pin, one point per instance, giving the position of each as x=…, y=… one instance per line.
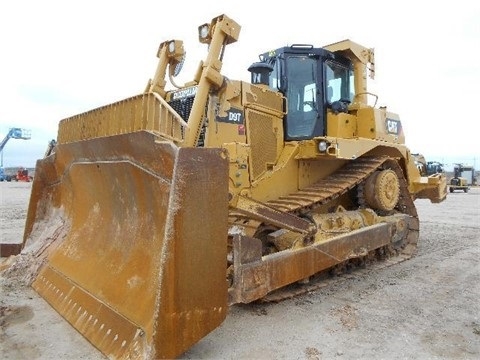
x=382, y=190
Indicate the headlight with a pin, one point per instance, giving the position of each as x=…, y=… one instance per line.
x=171, y=46
x=322, y=146
x=203, y=31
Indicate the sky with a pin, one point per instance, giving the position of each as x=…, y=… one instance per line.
x=61, y=58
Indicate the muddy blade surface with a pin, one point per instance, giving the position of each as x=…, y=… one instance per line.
x=132, y=233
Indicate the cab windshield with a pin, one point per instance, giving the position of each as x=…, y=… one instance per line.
x=301, y=96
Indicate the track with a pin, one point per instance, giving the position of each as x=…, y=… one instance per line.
x=350, y=177
x=330, y=188
x=318, y=282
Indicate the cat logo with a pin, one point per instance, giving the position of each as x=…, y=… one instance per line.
x=393, y=126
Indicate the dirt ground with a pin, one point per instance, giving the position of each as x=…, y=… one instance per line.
x=425, y=308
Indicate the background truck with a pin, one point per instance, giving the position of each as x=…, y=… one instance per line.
x=463, y=178
x=164, y=209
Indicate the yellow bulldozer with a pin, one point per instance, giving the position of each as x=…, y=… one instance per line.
x=153, y=215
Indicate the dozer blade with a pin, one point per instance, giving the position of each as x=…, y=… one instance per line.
x=433, y=187
x=131, y=233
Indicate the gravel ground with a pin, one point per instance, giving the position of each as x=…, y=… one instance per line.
x=425, y=308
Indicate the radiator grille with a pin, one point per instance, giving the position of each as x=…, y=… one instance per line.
x=263, y=142
x=183, y=107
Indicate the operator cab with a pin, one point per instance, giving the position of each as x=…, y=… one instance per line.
x=313, y=80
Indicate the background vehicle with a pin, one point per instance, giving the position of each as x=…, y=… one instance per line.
x=434, y=167
x=164, y=209
x=427, y=168
x=22, y=175
x=13, y=133
x=4, y=176
x=463, y=177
